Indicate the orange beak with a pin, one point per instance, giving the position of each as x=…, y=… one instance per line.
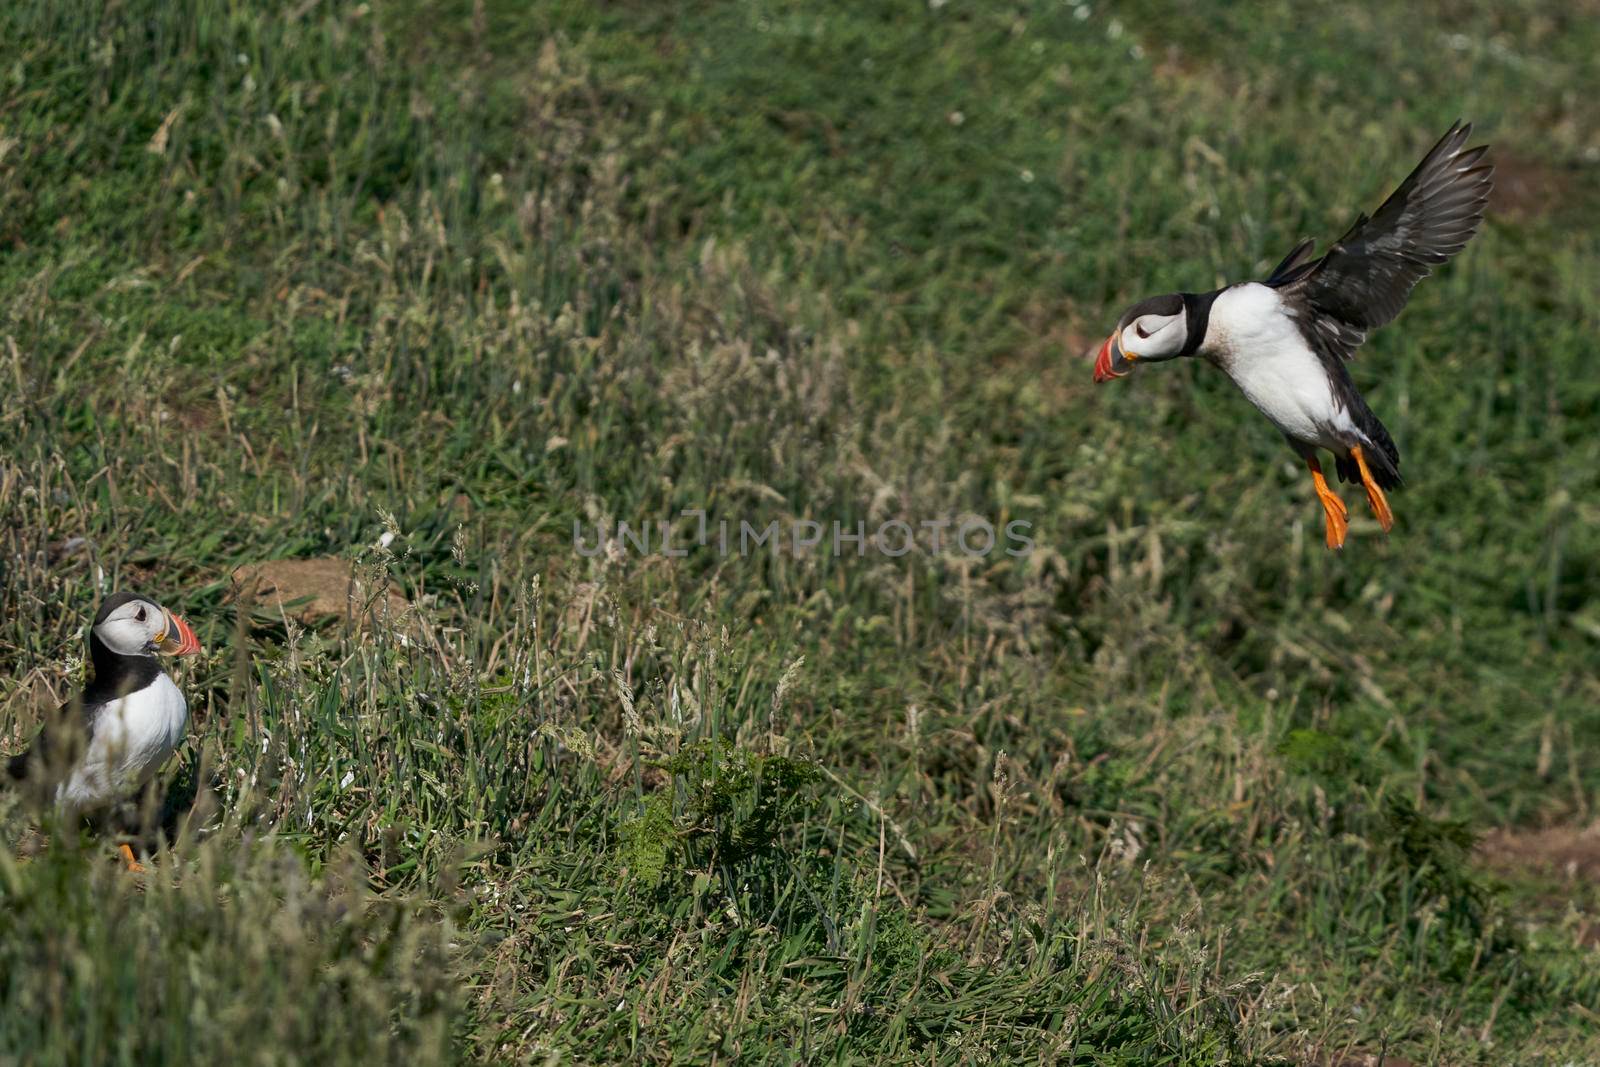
x=179, y=640
x=1102, y=364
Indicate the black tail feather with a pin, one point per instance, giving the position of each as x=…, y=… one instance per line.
x=1383, y=460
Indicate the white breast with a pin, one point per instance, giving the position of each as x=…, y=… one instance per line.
x=1258, y=344
x=133, y=737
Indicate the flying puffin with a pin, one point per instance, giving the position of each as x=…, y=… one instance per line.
x=1285, y=340
x=109, y=742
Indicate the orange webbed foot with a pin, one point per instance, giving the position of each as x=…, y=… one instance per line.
x=1333, y=509
x=1375, y=496
x=134, y=866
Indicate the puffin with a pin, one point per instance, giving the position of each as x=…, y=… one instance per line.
x=1285, y=340
x=105, y=745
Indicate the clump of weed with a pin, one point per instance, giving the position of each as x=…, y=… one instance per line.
x=648, y=840
x=730, y=811
x=1433, y=853
x=1317, y=754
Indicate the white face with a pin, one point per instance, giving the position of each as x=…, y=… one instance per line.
x=1154, y=336
x=133, y=629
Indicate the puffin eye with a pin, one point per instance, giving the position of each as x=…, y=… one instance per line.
x=1140, y=330
x=140, y=617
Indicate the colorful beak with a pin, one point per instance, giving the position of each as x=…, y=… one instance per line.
x=1110, y=363
x=179, y=640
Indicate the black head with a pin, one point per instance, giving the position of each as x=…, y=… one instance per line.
x=131, y=625
x=1155, y=329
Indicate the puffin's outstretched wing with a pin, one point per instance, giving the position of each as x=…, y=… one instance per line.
x=1291, y=266
x=1363, y=281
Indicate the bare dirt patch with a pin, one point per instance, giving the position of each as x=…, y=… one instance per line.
x=317, y=590
x=1565, y=853
x=1526, y=188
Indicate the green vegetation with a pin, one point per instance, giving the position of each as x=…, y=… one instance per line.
x=1179, y=787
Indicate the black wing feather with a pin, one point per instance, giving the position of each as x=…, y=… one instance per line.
x=1363, y=281
x=1285, y=272
x=60, y=744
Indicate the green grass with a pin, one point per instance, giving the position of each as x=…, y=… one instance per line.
x=1180, y=787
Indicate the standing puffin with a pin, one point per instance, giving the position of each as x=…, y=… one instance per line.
x=109, y=742
x=1284, y=341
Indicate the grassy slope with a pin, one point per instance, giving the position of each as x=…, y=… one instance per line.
x=1181, y=788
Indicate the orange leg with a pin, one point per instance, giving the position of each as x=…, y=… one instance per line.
x=1375, y=497
x=1333, y=508
x=134, y=866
